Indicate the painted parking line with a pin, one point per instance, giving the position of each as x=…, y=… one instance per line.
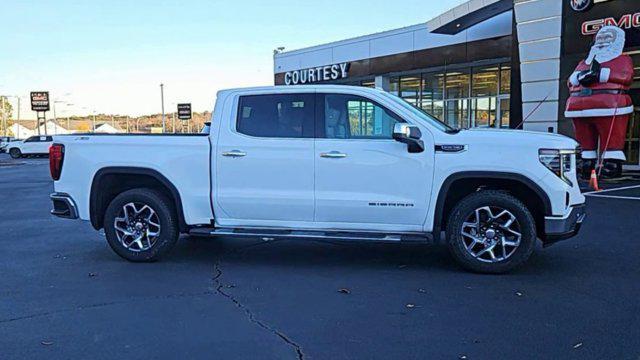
x=614, y=189
x=613, y=197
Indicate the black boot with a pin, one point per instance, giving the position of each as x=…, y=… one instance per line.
x=612, y=169
x=587, y=166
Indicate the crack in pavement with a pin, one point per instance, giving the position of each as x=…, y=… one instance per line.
x=251, y=316
x=100, y=305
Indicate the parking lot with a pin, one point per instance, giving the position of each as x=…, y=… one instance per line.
x=65, y=294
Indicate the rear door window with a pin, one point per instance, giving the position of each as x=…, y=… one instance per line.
x=277, y=116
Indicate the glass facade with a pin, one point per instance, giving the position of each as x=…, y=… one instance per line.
x=470, y=97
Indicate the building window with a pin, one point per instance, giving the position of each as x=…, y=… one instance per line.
x=484, y=111
x=368, y=83
x=485, y=81
x=505, y=79
x=394, y=85
x=410, y=89
x=457, y=84
x=461, y=98
x=457, y=113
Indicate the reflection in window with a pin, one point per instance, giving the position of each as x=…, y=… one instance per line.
x=353, y=117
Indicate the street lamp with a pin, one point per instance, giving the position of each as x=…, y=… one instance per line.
x=162, y=104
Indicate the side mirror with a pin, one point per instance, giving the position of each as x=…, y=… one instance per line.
x=410, y=135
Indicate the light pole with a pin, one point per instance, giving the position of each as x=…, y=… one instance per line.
x=55, y=116
x=162, y=104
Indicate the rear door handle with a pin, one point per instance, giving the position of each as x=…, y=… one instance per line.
x=234, y=153
x=333, y=155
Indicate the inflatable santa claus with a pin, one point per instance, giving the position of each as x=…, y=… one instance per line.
x=599, y=103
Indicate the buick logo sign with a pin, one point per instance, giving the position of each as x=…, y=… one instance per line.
x=581, y=5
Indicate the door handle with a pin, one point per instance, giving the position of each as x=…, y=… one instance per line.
x=333, y=155
x=234, y=153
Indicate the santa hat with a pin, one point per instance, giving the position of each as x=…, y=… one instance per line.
x=612, y=51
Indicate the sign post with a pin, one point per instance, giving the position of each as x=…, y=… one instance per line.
x=185, y=114
x=40, y=104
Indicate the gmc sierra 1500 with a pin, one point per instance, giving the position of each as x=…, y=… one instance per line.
x=326, y=161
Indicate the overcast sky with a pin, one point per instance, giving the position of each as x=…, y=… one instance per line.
x=111, y=56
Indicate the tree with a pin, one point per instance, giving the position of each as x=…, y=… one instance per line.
x=8, y=108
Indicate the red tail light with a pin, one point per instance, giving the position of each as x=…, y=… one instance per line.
x=56, y=158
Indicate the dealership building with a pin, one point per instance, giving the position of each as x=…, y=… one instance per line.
x=485, y=63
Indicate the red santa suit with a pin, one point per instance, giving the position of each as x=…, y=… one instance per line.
x=600, y=107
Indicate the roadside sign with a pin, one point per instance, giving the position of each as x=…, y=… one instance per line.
x=40, y=100
x=184, y=111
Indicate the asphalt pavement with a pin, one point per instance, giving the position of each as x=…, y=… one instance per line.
x=64, y=294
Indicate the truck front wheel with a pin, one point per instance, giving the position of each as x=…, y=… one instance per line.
x=140, y=225
x=491, y=232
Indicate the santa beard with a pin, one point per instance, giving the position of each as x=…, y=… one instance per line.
x=610, y=52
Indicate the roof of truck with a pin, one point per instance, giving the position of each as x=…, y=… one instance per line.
x=289, y=88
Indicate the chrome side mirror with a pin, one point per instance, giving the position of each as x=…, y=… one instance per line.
x=410, y=135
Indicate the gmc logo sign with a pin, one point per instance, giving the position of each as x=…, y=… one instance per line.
x=627, y=21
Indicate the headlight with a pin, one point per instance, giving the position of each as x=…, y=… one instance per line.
x=560, y=162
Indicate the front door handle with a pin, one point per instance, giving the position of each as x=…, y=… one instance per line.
x=333, y=155
x=234, y=153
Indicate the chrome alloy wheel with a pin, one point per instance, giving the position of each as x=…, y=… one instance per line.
x=137, y=227
x=491, y=234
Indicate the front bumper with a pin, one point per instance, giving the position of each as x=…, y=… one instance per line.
x=559, y=228
x=63, y=206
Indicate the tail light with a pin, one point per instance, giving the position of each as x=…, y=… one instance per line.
x=56, y=158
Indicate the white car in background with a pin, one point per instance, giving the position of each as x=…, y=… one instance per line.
x=4, y=143
x=35, y=145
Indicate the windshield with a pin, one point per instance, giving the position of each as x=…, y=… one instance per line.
x=423, y=115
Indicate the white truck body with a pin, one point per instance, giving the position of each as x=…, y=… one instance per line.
x=230, y=180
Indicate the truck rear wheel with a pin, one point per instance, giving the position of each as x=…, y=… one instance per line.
x=15, y=153
x=140, y=225
x=491, y=232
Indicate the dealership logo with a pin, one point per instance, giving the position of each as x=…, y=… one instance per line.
x=320, y=73
x=581, y=5
x=625, y=22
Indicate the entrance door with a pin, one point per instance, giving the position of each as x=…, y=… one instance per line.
x=364, y=179
x=264, y=162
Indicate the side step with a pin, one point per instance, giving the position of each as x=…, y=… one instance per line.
x=271, y=234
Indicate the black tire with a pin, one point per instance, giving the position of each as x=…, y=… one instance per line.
x=466, y=207
x=166, y=214
x=15, y=153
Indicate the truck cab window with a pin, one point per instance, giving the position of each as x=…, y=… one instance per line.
x=277, y=116
x=354, y=117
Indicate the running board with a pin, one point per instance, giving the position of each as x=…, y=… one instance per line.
x=271, y=234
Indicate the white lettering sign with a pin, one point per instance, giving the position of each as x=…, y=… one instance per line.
x=320, y=73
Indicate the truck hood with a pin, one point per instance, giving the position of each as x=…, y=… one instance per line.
x=516, y=138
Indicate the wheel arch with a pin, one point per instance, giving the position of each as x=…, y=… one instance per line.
x=458, y=185
x=118, y=179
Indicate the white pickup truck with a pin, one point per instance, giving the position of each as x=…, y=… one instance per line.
x=332, y=162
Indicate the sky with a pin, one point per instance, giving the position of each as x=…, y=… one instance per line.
x=111, y=56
